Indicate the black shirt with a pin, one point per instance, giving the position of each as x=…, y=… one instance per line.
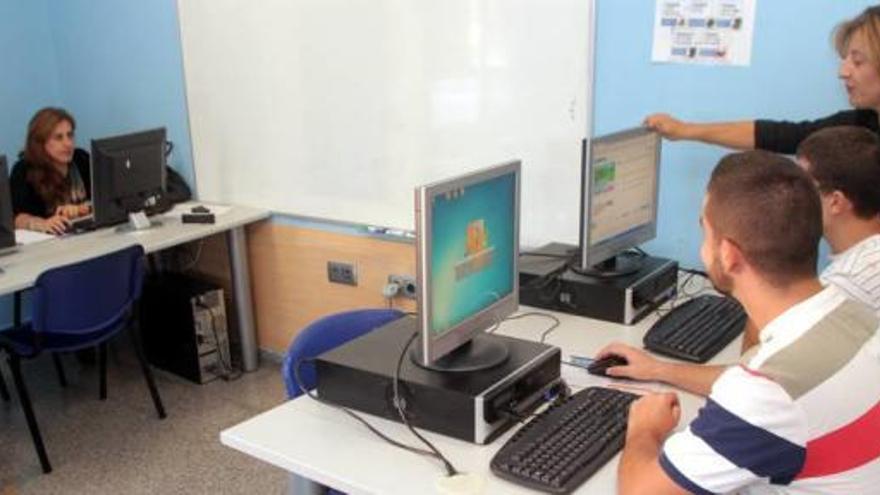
x=784, y=137
x=26, y=199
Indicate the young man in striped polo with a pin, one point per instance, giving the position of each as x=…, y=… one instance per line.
x=801, y=412
x=845, y=165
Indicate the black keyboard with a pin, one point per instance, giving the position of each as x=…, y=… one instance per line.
x=698, y=329
x=564, y=445
x=82, y=224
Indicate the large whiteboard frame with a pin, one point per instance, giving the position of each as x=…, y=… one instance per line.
x=338, y=109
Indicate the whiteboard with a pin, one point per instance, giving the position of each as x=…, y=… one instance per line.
x=338, y=109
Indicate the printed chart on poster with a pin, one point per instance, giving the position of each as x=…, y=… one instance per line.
x=717, y=32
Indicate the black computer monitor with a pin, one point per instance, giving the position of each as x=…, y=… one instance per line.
x=619, y=201
x=128, y=176
x=468, y=244
x=7, y=219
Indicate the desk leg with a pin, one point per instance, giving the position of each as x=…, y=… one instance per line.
x=236, y=241
x=297, y=485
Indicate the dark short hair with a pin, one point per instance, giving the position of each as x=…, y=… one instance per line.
x=766, y=205
x=846, y=159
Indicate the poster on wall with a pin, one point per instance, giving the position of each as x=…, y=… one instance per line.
x=717, y=32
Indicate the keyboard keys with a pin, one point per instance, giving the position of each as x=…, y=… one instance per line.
x=698, y=329
x=560, y=448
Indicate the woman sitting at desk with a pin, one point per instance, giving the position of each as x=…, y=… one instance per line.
x=857, y=41
x=51, y=183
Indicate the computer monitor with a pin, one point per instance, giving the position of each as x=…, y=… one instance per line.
x=467, y=273
x=7, y=219
x=619, y=200
x=128, y=176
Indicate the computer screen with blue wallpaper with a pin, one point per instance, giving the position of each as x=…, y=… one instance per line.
x=473, y=249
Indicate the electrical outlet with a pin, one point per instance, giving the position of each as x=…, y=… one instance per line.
x=341, y=273
x=407, y=284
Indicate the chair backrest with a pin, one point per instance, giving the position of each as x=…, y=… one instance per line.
x=90, y=295
x=327, y=333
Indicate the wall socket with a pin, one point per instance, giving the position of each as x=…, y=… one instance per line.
x=341, y=273
x=407, y=284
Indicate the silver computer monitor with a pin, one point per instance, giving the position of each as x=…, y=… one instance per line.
x=619, y=203
x=467, y=242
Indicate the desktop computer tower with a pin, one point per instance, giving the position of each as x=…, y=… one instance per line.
x=475, y=406
x=183, y=322
x=545, y=281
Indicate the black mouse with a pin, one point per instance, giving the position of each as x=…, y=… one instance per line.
x=200, y=209
x=600, y=366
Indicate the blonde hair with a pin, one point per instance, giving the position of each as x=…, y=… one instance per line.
x=866, y=23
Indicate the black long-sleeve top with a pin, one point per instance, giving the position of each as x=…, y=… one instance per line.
x=26, y=199
x=784, y=136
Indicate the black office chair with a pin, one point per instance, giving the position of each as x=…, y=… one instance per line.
x=76, y=307
x=4, y=392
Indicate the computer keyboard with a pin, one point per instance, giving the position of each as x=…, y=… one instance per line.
x=698, y=329
x=564, y=445
x=82, y=224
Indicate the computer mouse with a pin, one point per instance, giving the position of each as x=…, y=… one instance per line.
x=600, y=366
x=200, y=209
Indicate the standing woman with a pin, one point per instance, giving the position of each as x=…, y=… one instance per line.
x=857, y=41
x=51, y=182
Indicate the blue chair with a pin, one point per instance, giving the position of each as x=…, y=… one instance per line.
x=319, y=337
x=80, y=306
x=327, y=333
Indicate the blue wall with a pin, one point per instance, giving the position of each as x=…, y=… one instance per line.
x=117, y=66
x=28, y=70
x=120, y=69
x=793, y=75
x=114, y=64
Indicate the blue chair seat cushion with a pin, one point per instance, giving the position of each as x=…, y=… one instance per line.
x=27, y=343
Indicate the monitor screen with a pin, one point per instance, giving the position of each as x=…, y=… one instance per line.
x=620, y=201
x=128, y=173
x=468, y=244
x=7, y=220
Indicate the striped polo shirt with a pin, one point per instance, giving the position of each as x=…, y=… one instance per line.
x=799, y=414
x=857, y=272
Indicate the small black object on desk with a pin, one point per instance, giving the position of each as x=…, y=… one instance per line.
x=197, y=218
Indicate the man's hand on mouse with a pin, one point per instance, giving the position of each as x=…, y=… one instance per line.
x=640, y=366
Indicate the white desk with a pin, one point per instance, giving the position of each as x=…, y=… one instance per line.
x=327, y=446
x=21, y=268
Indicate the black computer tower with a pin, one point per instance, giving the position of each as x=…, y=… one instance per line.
x=545, y=281
x=183, y=322
x=472, y=406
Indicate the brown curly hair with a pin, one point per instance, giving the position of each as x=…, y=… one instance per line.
x=49, y=183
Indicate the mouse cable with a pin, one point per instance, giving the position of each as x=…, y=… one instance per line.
x=297, y=377
x=545, y=333
x=398, y=403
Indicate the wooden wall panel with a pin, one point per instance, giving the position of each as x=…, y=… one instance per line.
x=289, y=277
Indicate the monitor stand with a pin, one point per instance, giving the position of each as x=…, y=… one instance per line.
x=138, y=221
x=480, y=353
x=620, y=265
